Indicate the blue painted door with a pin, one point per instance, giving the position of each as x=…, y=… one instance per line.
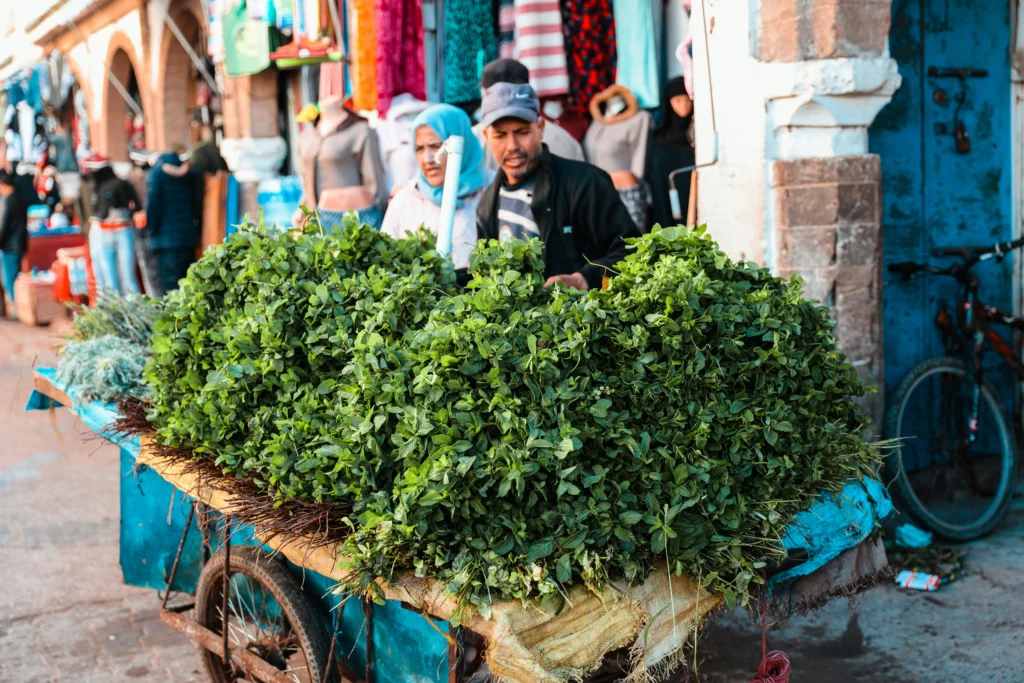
x=935, y=195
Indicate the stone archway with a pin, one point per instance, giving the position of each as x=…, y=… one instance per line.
x=177, y=87
x=115, y=109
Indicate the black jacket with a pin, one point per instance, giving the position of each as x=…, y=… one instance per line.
x=13, y=224
x=111, y=193
x=171, y=222
x=582, y=221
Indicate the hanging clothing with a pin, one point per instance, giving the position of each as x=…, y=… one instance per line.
x=469, y=43
x=684, y=51
x=540, y=46
x=26, y=134
x=362, y=32
x=670, y=148
x=83, y=146
x=394, y=134
x=619, y=146
x=636, y=50
x=400, y=60
x=506, y=29
x=332, y=81
x=589, y=30
x=247, y=44
x=344, y=157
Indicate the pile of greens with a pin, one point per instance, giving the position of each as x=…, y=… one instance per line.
x=510, y=439
x=106, y=353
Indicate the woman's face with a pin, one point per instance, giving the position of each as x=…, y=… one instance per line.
x=682, y=105
x=427, y=145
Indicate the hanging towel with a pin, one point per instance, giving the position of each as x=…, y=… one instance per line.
x=540, y=46
x=400, y=61
x=589, y=29
x=637, y=58
x=363, y=48
x=332, y=81
x=506, y=29
x=469, y=43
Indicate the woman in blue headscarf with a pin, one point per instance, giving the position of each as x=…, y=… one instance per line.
x=419, y=202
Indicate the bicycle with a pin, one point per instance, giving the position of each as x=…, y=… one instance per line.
x=954, y=459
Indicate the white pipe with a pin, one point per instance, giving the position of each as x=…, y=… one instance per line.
x=453, y=147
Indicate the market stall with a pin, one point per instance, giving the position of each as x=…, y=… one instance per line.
x=560, y=481
x=174, y=529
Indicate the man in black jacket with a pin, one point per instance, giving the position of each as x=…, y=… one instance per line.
x=571, y=206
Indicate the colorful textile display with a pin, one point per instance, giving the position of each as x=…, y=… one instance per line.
x=400, y=61
x=637, y=58
x=506, y=28
x=469, y=43
x=540, y=46
x=589, y=29
x=362, y=35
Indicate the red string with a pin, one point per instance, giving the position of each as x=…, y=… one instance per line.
x=775, y=667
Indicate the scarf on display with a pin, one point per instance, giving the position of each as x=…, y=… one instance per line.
x=446, y=120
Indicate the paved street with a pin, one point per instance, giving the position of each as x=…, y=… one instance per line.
x=65, y=615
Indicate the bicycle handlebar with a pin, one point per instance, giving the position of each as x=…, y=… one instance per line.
x=1000, y=249
x=970, y=257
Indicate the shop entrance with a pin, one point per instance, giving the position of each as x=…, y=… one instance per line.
x=945, y=146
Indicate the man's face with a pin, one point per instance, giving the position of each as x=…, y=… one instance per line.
x=6, y=190
x=516, y=145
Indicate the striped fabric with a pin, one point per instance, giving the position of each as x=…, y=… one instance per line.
x=540, y=46
x=515, y=213
x=507, y=29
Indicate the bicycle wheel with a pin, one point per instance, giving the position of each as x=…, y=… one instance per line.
x=957, y=489
x=268, y=615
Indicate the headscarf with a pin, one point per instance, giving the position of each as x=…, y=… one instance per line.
x=446, y=120
x=674, y=129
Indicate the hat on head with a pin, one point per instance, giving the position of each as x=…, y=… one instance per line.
x=510, y=100
x=504, y=71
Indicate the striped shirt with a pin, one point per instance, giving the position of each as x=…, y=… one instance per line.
x=515, y=212
x=541, y=47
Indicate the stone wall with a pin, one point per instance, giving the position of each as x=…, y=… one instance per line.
x=828, y=230
x=794, y=30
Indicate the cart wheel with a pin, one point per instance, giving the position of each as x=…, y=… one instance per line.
x=267, y=615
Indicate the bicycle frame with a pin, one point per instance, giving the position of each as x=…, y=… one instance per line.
x=974, y=323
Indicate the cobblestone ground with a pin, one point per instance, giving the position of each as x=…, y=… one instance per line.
x=65, y=614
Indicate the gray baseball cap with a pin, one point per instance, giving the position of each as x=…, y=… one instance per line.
x=510, y=100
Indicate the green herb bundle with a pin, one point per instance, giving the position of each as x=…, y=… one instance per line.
x=511, y=439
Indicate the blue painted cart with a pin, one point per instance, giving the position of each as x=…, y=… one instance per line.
x=280, y=614
x=281, y=619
